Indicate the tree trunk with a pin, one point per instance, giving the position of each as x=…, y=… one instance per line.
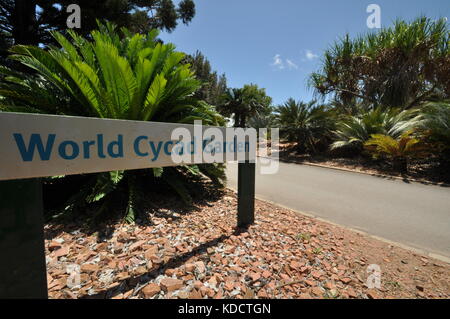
x=24, y=22
x=400, y=164
x=242, y=121
x=236, y=119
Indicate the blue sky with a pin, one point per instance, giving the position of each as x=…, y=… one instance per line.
x=277, y=44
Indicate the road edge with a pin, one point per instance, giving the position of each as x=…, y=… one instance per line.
x=403, y=179
x=415, y=250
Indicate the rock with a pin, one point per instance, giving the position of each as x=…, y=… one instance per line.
x=139, y=271
x=195, y=294
x=200, y=266
x=151, y=253
x=127, y=294
x=213, y=281
x=54, y=245
x=150, y=290
x=420, y=288
x=170, y=272
x=89, y=268
x=170, y=284
x=189, y=267
x=198, y=284
x=295, y=265
x=329, y=285
x=310, y=283
x=317, y=291
x=346, y=280
x=255, y=276
x=229, y=286
x=203, y=290
x=316, y=274
x=351, y=293
x=263, y=294
x=183, y=295
x=136, y=245
x=372, y=294
x=64, y=251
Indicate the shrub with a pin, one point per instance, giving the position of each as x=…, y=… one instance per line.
x=399, y=150
x=115, y=75
x=309, y=125
x=353, y=131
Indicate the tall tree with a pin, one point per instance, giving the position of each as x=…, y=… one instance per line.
x=401, y=66
x=27, y=21
x=213, y=85
x=243, y=103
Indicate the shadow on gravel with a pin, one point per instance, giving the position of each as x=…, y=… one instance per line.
x=176, y=261
x=160, y=203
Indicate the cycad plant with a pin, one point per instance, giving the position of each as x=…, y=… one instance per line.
x=115, y=75
x=436, y=126
x=307, y=124
x=400, y=151
x=353, y=131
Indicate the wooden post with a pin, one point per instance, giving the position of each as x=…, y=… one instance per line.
x=246, y=194
x=22, y=263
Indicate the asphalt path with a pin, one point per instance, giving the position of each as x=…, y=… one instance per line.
x=408, y=213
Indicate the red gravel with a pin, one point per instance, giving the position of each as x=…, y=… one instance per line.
x=201, y=255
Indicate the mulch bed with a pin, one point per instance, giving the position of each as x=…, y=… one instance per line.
x=198, y=253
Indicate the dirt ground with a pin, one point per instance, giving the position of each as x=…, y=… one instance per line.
x=198, y=253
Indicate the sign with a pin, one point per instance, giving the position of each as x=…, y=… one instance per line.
x=35, y=145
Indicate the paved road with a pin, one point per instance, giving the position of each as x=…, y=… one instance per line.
x=413, y=214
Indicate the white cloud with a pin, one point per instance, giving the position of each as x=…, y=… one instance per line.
x=278, y=62
x=291, y=65
x=310, y=55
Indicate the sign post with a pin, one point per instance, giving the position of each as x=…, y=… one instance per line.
x=22, y=265
x=246, y=194
x=34, y=146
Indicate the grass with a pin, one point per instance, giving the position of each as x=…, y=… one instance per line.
x=304, y=236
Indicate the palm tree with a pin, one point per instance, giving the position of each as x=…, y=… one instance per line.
x=305, y=123
x=243, y=103
x=401, y=66
x=114, y=75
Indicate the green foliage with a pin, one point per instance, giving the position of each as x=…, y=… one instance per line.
x=116, y=75
x=139, y=16
x=244, y=103
x=304, y=236
x=400, y=66
x=309, y=125
x=354, y=131
x=436, y=124
x=399, y=150
x=213, y=85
